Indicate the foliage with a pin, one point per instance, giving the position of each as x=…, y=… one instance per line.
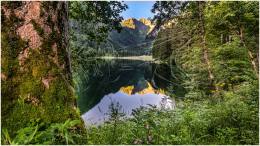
x=90, y=23
x=230, y=35
x=231, y=120
x=104, y=14
x=232, y=65
x=166, y=10
x=56, y=133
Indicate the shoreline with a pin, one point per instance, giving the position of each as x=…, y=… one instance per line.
x=143, y=57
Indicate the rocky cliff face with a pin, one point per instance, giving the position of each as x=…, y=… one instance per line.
x=147, y=23
x=141, y=24
x=155, y=29
x=36, y=78
x=132, y=38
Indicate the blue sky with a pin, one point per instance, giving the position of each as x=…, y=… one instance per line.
x=138, y=9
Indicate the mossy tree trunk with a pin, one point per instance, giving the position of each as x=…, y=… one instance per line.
x=35, y=67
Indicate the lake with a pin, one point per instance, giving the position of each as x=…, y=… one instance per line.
x=127, y=83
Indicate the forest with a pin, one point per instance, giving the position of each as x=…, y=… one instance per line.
x=189, y=75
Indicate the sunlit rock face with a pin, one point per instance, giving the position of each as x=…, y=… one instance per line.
x=141, y=24
x=133, y=23
x=147, y=23
x=132, y=36
x=128, y=98
x=129, y=23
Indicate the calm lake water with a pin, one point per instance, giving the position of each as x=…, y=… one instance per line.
x=127, y=83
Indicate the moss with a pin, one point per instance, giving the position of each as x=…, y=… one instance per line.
x=38, y=28
x=48, y=42
x=12, y=45
x=31, y=87
x=55, y=103
x=25, y=99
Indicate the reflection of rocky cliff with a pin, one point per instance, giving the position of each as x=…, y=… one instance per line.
x=142, y=87
x=110, y=76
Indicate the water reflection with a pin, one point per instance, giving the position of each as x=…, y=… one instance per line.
x=98, y=114
x=130, y=83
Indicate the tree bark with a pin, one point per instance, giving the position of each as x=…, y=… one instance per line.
x=221, y=38
x=250, y=54
x=203, y=42
x=36, y=70
x=40, y=22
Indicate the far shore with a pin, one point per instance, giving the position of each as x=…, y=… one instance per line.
x=143, y=57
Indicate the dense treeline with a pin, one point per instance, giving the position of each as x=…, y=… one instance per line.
x=90, y=23
x=215, y=41
x=216, y=45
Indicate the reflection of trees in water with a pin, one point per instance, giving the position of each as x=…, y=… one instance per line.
x=101, y=77
x=168, y=78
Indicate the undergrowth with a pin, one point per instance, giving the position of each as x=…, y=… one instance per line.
x=232, y=119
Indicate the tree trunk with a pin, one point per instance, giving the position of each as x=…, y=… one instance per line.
x=221, y=38
x=36, y=70
x=252, y=59
x=203, y=42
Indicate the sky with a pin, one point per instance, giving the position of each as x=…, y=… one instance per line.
x=138, y=9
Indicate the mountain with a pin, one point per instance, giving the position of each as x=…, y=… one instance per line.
x=155, y=29
x=147, y=23
x=132, y=39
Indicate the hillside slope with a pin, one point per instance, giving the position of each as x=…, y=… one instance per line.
x=132, y=39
